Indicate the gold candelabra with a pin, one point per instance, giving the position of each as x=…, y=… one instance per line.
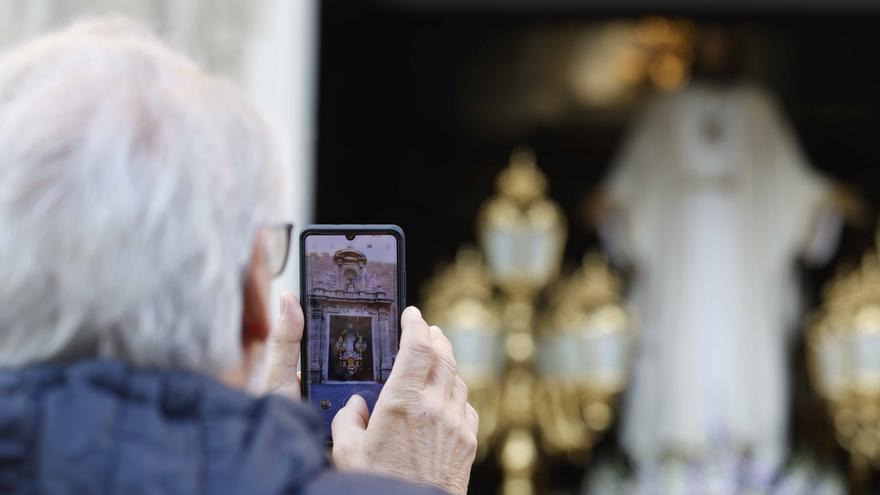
x=543, y=372
x=843, y=344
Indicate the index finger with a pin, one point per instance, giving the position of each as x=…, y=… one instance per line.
x=415, y=357
x=282, y=349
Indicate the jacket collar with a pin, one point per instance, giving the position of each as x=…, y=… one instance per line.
x=105, y=425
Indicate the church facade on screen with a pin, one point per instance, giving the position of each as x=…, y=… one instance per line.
x=352, y=305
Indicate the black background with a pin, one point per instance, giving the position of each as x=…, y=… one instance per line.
x=392, y=147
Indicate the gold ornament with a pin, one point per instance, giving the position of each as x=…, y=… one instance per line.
x=843, y=345
x=523, y=402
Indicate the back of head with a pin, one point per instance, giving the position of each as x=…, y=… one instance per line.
x=131, y=186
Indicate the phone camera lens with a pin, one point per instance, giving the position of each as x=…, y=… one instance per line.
x=350, y=237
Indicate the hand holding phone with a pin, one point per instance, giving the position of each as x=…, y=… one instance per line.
x=422, y=428
x=354, y=358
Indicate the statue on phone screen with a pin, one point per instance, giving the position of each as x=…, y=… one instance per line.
x=350, y=347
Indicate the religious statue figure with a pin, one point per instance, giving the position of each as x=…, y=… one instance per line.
x=716, y=231
x=711, y=202
x=350, y=347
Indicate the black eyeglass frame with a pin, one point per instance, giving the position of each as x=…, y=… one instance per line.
x=287, y=228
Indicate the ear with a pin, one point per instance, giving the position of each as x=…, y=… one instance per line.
x=255, y=321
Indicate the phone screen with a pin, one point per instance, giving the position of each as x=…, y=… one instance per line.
x=351, y=304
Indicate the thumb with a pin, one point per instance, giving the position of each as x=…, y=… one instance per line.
x=348, y=429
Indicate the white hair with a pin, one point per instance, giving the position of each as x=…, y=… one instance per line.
x=131, y=188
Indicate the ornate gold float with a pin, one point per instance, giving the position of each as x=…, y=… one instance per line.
x=544, y=357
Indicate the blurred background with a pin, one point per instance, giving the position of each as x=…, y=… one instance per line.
x=648, y=227
x=421, y=105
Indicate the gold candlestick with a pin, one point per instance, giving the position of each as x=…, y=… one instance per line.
x=532, y=394
x=843, y=345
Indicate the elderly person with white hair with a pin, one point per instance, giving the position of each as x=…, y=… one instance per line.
x=138, y=220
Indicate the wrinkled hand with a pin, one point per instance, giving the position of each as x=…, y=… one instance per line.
x=422, y=428
x=281, y=358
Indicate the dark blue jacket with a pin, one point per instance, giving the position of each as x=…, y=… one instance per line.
x=102, y=427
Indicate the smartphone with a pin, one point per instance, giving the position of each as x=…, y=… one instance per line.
x=352, y=282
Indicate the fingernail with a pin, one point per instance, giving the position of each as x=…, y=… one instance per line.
x=352, y=398
x=283, y=303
